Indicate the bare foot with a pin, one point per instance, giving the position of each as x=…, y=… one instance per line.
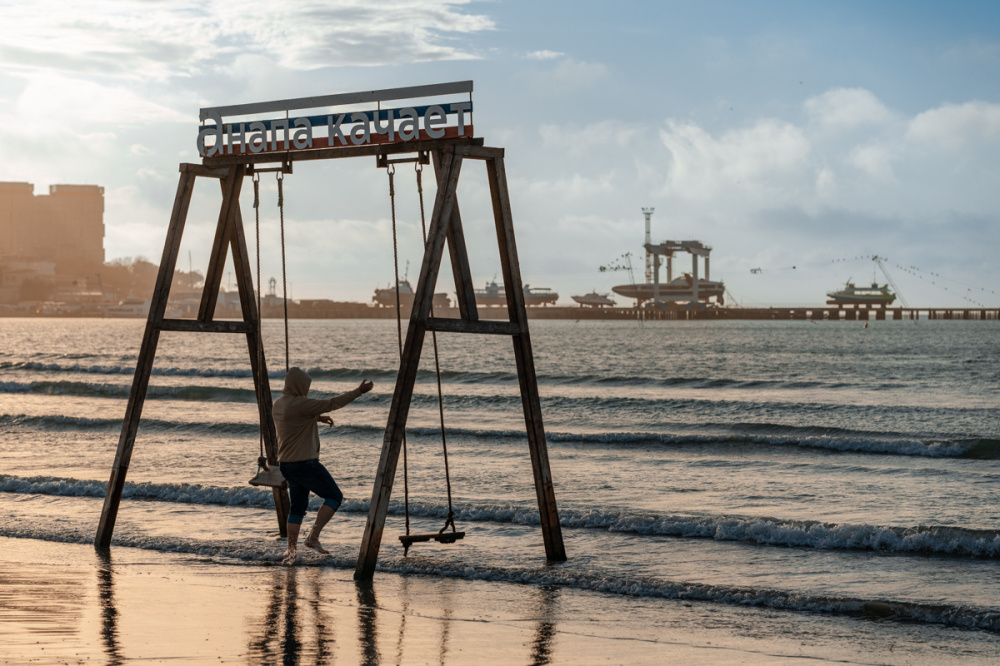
x=290, y=556
x=314, y=544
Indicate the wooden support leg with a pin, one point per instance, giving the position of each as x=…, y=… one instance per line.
x=144, y=364
x=231, y=185
x=444, y=204
x=548, y=513
x=464, y=288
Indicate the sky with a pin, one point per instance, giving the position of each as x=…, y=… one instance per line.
x=783, y=134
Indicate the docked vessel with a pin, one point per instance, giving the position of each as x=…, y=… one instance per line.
x=539, y=296
x=851, y=294
x=129, y=307
x=494, y=295
x=594, y=300
x=387, y=297
x=679, y=289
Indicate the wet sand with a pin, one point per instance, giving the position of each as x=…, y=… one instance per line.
x=65, y=603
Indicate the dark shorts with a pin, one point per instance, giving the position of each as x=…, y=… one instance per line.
x=305, y=476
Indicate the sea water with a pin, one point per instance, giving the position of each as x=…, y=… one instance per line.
x=812, y=468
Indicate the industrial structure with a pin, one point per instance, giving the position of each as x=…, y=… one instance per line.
x=687, y=288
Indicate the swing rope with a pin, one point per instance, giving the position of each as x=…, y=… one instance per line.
x=262, y=459
x=450, y=520
x=266, y=475
x=284, y=276
x=391, y=171
x=442, y=535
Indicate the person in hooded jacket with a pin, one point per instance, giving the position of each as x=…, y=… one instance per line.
x=295, y=419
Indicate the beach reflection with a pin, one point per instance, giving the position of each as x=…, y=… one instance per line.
x=541, y=646
x=109, y=612
x=367, y=624
x=310, y=614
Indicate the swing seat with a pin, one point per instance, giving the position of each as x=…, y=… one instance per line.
x=441, y=537
x=269, y=477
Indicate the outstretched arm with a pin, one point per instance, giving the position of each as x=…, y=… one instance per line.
x=319, y=407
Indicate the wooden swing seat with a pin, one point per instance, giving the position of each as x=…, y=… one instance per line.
x=269, y=477
x=441, y=537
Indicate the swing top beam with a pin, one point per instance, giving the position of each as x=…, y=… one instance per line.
x=471, y=147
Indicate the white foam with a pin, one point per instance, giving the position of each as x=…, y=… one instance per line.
x=751, y=529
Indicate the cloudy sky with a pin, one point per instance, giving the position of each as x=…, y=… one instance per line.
x=781, y=133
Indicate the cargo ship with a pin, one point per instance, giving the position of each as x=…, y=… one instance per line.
x=494, y=295
x=594, y=300
x=387, y=297
x=851, y=294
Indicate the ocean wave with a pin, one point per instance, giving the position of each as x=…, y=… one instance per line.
x=457, y=376
x=257, y=552
x=916, y=540
x=830, y=439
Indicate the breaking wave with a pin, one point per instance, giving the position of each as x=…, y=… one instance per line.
x=917, y=540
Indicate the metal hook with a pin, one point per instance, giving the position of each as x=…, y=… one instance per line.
x=390, y=168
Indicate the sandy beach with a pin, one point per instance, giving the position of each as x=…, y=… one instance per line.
x=64, y=603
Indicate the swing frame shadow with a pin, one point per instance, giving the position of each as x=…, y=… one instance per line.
x=445, y=227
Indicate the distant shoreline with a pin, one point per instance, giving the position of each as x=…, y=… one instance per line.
x=336, y=310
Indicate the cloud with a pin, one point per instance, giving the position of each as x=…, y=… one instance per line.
x=874, y=160
x=953, y=126
x=142, y=40
x=51, y=103
x=847, y=108
x=544, y=55
x=568, y=76
x=764, y=161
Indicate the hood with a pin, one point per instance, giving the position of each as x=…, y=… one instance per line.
x=297, y=382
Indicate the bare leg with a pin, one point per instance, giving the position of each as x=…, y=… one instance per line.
x=293, y=541
x=323, y=516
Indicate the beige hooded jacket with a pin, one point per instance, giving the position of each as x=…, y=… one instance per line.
x=295, y=417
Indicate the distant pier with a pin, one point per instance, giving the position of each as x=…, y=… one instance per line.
x=331, y=310
x=818, y=313
x=326, y=309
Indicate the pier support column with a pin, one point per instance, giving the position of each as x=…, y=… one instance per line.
x=694, y=276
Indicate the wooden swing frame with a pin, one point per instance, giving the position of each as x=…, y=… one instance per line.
x=445, y=225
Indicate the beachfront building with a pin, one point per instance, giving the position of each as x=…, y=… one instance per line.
x=55, y=238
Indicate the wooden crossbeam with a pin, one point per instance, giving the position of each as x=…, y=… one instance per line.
x=195, y=326
x=485, y=326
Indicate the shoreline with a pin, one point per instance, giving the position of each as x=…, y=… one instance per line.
x=68, y=603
